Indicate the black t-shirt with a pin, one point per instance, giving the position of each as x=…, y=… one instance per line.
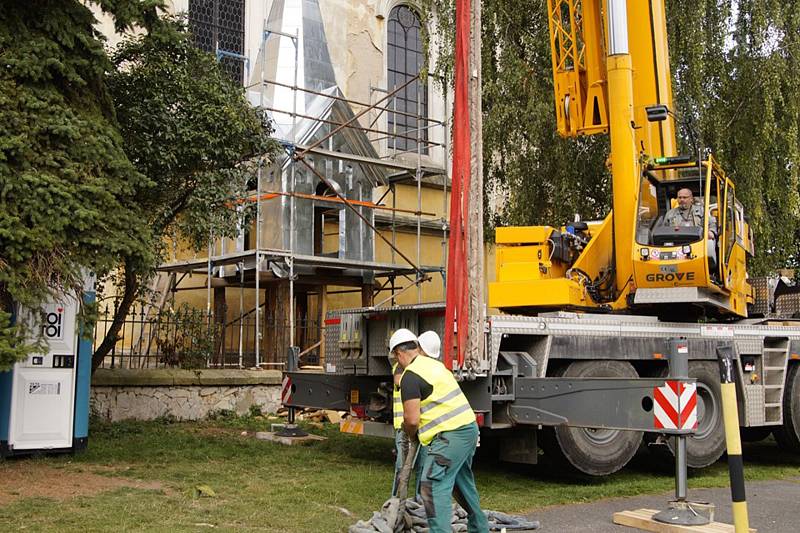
x=413, y=387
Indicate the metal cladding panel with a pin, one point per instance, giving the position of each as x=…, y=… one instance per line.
x=273, y=228
x=310, y=61
x=678, y=295
x=307, y=64
x=333, y=355
x=303, y=212
x=763, y=289
x=750, y=346
x=431, y=322
x=754, y=405
x=788, y=305
x=378, y=336
x=317, y=66
x=378, y=347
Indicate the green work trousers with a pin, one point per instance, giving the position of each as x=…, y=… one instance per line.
x=401, y=441
x=447, y=472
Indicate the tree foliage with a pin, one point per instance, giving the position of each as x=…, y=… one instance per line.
x=736, y=85
x=736, y=71
x=101, y=156
x=190, y=130
x=544, y=179
x=62, y=166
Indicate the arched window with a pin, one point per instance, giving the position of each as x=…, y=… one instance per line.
x=405, y=60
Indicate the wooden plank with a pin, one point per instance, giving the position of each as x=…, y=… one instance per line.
x=643, y=519
x=334, y=416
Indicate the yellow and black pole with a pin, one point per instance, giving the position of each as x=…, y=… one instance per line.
x=730, y=415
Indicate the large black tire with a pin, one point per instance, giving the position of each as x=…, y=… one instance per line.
x=788, y=435
x=596, y=452
x=707, y=445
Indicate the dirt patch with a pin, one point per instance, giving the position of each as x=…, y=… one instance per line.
x=26, y=479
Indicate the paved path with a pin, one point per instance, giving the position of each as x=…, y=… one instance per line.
x=773, y=506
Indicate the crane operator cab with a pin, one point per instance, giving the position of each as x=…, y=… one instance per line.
x=691, y=238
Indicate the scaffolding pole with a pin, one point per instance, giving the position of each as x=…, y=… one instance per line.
x=241, y=315
x=291, y=200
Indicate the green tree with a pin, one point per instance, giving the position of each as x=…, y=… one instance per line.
x=736, y=71
x=545, y=179
x=532, y=176
x=736, y=81
x=63, y=171
x=190, y=130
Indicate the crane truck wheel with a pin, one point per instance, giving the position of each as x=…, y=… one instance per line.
x=707, y=445
x=596, y=452
x=788, y=435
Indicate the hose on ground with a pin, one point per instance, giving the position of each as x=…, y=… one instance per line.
x=407, y=515
x=413, y=519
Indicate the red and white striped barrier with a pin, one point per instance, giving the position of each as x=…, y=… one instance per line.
x=286, y=390
x=675, y=405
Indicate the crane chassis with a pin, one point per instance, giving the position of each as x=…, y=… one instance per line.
x=578, y=385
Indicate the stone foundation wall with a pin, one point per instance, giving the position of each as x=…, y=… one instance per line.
x=184, y=394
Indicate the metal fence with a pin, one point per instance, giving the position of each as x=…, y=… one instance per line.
x=192, y=338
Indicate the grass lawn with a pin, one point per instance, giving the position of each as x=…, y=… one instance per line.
x=143, y=476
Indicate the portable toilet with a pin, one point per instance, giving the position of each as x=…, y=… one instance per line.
x=44, y=400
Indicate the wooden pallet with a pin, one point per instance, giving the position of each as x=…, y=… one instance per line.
x=643, y=519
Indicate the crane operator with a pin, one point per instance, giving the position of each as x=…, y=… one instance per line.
x=691, y=213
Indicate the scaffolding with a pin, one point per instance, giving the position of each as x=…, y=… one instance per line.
x=256, y=267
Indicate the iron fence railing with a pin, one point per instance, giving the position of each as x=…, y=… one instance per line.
x=192, y=338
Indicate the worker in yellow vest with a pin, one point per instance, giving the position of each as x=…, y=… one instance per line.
x=437, y=412
x=430, y=344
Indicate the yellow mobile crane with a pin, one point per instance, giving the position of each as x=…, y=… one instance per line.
x=609, y=80
x=536, y=381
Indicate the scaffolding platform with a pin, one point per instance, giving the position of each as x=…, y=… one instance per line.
x=274, y=262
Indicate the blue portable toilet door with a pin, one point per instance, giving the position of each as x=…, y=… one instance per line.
x=43, y=389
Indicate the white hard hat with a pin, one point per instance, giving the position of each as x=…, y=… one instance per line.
x=399, y=337
x=430, y=344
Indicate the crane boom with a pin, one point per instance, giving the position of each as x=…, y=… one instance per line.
x=580, y=78
x=611, y=75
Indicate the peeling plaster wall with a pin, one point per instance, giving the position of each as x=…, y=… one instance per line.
x=186, y=402
x=147, y=394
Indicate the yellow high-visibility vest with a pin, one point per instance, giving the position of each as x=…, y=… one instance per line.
x=397, y=402
x=446, y=408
